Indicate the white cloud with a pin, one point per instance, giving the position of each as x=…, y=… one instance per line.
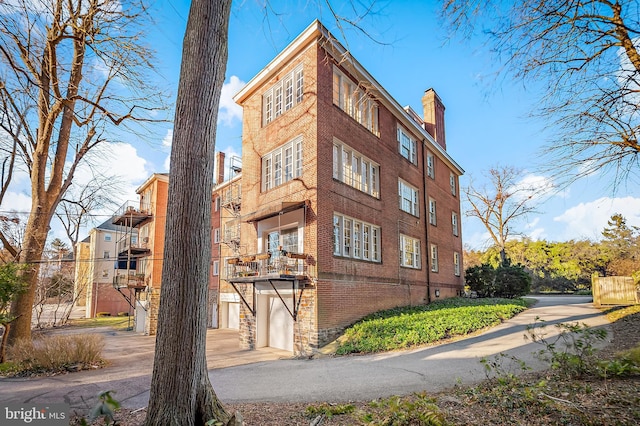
x=229, y=111
x=533, y=186
x=587, y=220
x=16, y=202
x=168, y=138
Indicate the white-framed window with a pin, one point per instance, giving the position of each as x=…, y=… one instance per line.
x=432, y=212
x=216, y=268
x=408, y=196
x=409, y=252
x=453, y=184
x=355, y=101
x=106, y=254
x=217, y=204
x=456, y=263
x=434, y=258
x=356, y=170
x=431, y=170
x=107, y=237
x=216, y=235
x=282, y=96
x=406, y=145
x=282, y=164
x=454, y=224
x=355, y=238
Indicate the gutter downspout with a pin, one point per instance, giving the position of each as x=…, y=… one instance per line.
x=424, y=216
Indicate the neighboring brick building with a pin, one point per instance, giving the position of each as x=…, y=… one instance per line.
x=94, y=273
x=350, y=203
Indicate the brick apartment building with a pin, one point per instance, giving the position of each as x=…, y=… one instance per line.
x=349, y=202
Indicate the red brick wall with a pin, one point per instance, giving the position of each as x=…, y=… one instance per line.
x=346, y=289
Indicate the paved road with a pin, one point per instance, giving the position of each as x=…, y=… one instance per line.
x=254, y=376
x=397, y=373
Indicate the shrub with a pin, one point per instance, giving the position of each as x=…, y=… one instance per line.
x=480, y=279
x=506, y=280
x=512, y=281
x=56, y=353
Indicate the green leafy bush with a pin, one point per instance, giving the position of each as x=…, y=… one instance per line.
x=402, y=328
x=504, y=281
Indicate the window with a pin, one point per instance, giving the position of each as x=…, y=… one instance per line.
x=355, y=101
x=431, y=166
x=452, y=183
x=216, y=268
x=216, y=235
x=106, y=255
x=283, y=95
x=406, y=145
x=432, y=211
x=282, y=165
x=355, y=170
x=454, y=223
x=107, y=237
x=356, y=239
x=456, y=263
x=408, y=198
x=434, y=258
x=217, y=204
x=409, y=252
x=105, y=273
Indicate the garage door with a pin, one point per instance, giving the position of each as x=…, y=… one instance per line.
x=233, y=320
x=280, y=324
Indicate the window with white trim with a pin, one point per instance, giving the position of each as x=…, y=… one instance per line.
x=409, y=252
x=216, y=268
x=454, y=223
x=456, y=263
x=282, y=96
x=453, y=184
x=106, y=254
x=408, y=196
x=431, y=166
x=216, y=235
x=107, y=237
x=355, y=101
x=434, y=258
x=406, y=145
x=432, y=212
x=355, y=169
x=282, y=165
x=356, y=239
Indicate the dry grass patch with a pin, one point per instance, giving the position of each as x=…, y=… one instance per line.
x=59, y=353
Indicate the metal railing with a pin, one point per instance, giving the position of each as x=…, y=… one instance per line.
x=129, y=280
x=268, y=265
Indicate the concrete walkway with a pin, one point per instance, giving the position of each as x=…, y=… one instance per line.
x=254, y=376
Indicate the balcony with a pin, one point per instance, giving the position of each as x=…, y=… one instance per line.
x=136, y=281
x=132, y=214
x=268, y=266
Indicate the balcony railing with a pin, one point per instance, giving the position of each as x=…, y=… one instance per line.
x=268, y=265
x=129, y=280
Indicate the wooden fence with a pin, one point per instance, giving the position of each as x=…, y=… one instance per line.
x=614, y=291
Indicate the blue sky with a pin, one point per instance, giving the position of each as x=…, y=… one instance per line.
x=486, y=121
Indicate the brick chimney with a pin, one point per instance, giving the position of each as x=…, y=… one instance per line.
x=434, y=116
x=220, y=167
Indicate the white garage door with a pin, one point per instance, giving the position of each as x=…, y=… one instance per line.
x=233, y=319
x=280, y=324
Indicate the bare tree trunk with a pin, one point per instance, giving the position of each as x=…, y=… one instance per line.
x=181, y=393
x=34, y=243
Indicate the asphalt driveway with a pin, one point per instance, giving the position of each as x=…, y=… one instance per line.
x=262, y=376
